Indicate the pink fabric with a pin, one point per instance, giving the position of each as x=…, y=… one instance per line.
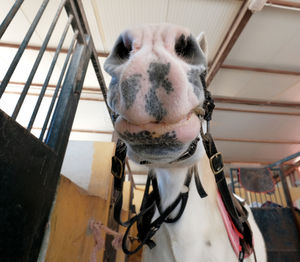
x=97, y=228
x=232, y=234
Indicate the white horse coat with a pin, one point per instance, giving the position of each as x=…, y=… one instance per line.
x=156, y=92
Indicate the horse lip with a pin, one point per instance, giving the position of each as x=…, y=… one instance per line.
x=155, y=125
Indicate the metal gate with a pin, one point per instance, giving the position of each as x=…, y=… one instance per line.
x=30, y=166
x=274, y=214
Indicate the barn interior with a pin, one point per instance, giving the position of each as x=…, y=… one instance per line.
x=47, y=46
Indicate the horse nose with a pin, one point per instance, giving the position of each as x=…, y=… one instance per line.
x=159, y=86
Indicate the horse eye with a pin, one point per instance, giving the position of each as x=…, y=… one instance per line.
x=122, y=50
x=187, y=49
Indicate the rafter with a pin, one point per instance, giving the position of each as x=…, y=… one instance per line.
x=231, y=37
x=260, y=70
x=48, y=49
x=285, y=3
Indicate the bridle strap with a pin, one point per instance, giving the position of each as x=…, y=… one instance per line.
x=237, y=212
x=145, y=234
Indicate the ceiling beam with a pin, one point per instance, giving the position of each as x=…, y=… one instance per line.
x=260, y=70
x=285, y=3
x=238, y=110
x=237, y=26
x=254, y=102
x=86, y=88
x=258, y=141
x=48, y=49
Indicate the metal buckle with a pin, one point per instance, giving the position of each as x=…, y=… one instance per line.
x=211, y=161
x=116, y=174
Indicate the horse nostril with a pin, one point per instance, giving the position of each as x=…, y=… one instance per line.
x=123, y=47
x=188, y=50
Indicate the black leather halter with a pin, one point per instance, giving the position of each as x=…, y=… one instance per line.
x=151, y=200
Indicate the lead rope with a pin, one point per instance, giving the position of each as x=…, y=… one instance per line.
x=146, y=228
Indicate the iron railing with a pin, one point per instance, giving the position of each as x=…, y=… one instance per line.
x=256, y=199
x=81, y=39
x=30, y=166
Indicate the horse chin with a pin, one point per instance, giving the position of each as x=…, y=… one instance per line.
x=161, y=155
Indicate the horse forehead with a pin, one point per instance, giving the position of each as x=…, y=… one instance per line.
x=153, y=33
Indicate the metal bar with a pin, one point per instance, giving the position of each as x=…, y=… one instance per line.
x=278, y=189
x=9, y=17
x=76, y=23
x=95, y=61
x=240, y=193
x=265, y=195
x=250, y=194
x=20, y=51
x=37, y=61
x=232, y=180
x=58, y=85
x=288, y=198
x=281, y=161
x=261, y=200
x=62, y=120
x=247, y=198
x=272, y=197
x=50, y=71
x=275, y=197
x=255, y=199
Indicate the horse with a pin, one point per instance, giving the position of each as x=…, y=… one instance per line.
x=157, y=93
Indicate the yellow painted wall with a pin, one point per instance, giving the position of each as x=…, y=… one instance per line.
x=70, y=239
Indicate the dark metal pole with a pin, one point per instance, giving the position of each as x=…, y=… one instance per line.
x=22, y=47
x=232, y=180
x=37, y=61
x=281, y=161
x=45, y=85
x=9, y=17
x=58, y=85
x=58, y=134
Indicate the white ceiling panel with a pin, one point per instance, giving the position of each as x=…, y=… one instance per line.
x=92, y=115
x=116, y=16
x=291, y=94
x=255, y=152
x=271, y=39
x=24, y=17
x=26, y=62
x=213, y=17
x=255, y=85
x=239, y=125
